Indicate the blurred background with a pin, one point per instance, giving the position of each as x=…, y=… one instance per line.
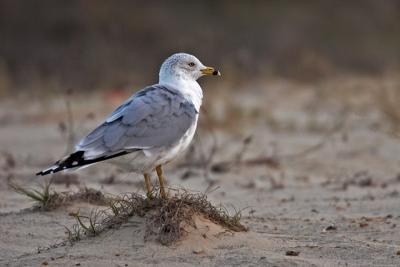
x=289, y=67
x=98, y=45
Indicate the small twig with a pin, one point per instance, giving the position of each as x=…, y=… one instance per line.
x=70, y=124
x=245, y=145
x=270, y=161
x=337, y=128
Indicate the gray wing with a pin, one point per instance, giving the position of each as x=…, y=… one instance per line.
x=155, y=116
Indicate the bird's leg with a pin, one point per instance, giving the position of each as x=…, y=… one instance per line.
x=161, y=180
x=147, y=181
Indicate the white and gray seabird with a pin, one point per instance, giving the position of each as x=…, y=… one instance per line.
x=150, y=128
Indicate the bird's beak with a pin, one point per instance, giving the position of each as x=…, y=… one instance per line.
x=210, y=71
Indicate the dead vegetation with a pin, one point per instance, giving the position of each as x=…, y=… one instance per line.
x=206, y=160
x=7, y=161
x=43, y=198
x=46, y=199
x=67, y=129
x=387, y=100
x=166, y=220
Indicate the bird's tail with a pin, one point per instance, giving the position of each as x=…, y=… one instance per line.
x=72, y=161
x=77, y=160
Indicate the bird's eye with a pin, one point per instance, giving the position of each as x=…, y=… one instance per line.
x=191, y=64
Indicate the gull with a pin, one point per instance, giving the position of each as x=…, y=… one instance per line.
x=151, y=128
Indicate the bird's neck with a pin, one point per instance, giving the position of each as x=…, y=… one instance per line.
x=190, y=89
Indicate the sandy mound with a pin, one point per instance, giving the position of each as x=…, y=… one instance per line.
x=166, y=221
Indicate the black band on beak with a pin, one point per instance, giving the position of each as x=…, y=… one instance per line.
x=216, y=73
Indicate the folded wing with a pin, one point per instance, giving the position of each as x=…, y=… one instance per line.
x=155, y=116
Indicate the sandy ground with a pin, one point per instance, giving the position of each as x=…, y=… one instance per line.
x=336, y=205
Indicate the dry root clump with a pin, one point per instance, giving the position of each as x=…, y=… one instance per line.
x=170, y=217
x=166, y=219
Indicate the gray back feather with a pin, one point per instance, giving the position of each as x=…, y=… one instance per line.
x=153, y=117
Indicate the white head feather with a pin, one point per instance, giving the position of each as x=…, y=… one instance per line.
x=181, y=66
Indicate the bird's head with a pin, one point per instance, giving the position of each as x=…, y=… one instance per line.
x=184, y=66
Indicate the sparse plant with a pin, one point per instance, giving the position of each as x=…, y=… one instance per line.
x=74, y=234
x=44, y=198
x=92, y=220
x=47, y=199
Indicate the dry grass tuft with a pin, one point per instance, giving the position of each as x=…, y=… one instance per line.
x=166, y=220
x=47, y=199
x=43, y=197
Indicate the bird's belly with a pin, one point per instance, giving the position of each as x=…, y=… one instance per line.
x=174, y=150
x=146, y=160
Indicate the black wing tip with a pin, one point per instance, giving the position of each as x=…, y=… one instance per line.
x=49, y=171
x=71, y=161
x=75, y=160
x=43, y=173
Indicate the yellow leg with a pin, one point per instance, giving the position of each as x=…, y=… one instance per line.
x=161, y=180
x=147, y=181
